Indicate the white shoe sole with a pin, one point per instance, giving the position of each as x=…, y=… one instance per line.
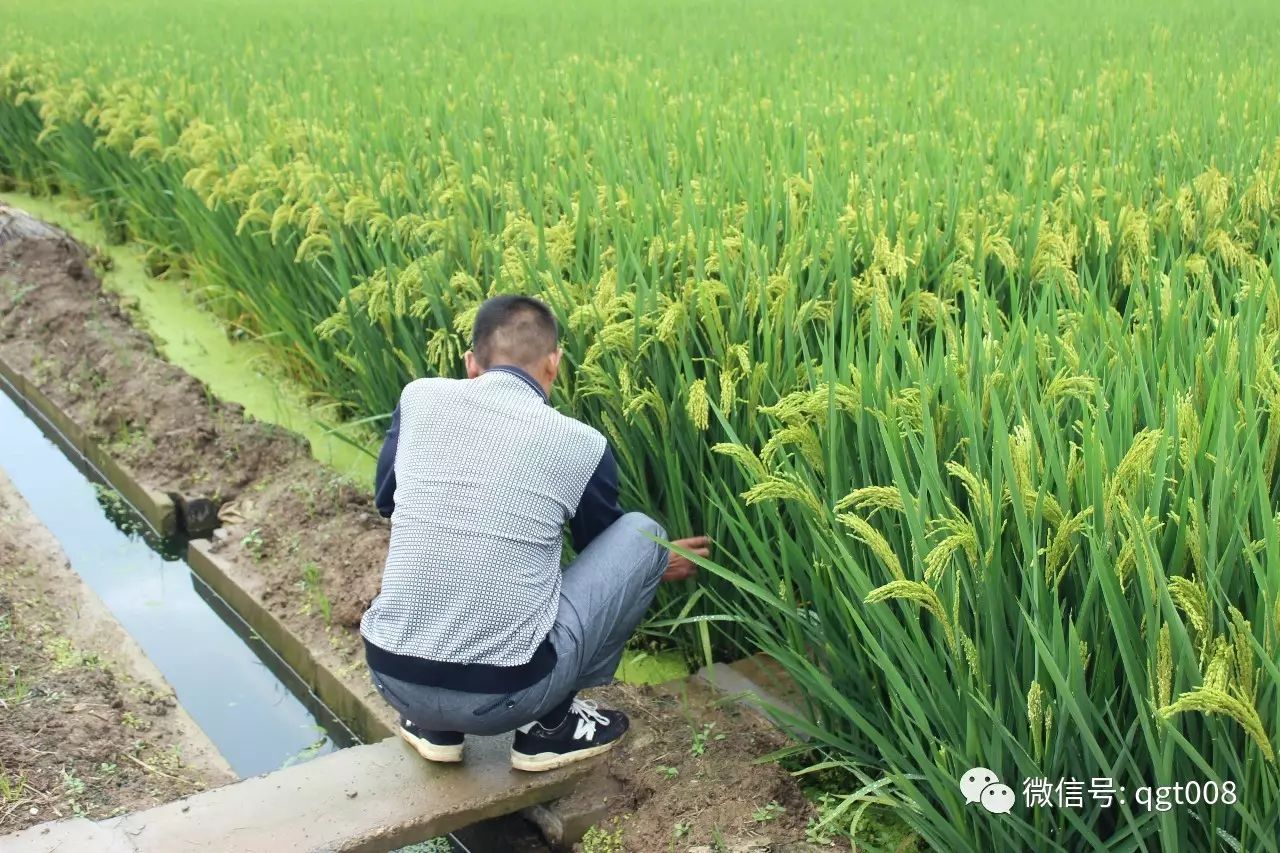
x=432, y=751
x=552, y=760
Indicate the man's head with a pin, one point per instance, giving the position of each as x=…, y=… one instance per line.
x=519, y=331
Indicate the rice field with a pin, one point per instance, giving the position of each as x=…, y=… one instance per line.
x=955, y=325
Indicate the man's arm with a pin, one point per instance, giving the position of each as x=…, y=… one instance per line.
x=384, y=494
x=599, y=508
x=599, y=505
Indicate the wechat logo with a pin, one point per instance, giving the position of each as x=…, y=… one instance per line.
x=981, y=785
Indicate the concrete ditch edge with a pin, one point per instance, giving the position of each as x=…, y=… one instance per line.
x=369, y=722
x=363, y=799
x=740, y=682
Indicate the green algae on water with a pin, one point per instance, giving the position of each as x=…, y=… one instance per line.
x=640, y=667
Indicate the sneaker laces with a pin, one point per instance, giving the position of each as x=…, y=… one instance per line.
x=588, y=711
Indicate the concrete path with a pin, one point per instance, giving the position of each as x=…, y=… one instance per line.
x=745, y=679
x=366, y=798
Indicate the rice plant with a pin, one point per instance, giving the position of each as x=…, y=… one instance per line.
x=956, y=327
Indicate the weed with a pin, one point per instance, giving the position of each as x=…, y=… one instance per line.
x=314, y=596
x=431, y=845
x=253, y=543
x=72, y=784
x=702, y=736
x=14, y=291
x=170, y=757
x=821, y=827
x=101, y=259
x=66, y=656
x=308, y=752
x=128, y=436
x=306, y=496
x=118, y=511
x=12, y=789
x=17, y=691
x=601, y=840
x=73, y=787
x=770, y=811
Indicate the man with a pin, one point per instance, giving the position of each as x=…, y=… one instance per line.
x=476, y=629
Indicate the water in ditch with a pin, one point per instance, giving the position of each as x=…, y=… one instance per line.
x=253, y=708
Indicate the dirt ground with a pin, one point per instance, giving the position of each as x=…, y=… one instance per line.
x=686, y=779
x=87, y=727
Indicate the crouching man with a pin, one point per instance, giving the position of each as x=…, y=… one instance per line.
x=477, y=629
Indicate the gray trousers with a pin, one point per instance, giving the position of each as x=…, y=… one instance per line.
x=603, y=596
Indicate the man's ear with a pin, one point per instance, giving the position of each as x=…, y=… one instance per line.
x=473, y=367
x=553, y=362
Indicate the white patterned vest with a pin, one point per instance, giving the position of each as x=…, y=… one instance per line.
x=487, y=475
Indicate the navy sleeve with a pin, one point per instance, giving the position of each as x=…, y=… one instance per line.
x=384, y=494
x=599, y=505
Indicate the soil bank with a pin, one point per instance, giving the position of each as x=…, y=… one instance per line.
x=195, y=340
x=87, y=725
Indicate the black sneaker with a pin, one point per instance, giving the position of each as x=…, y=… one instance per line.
x=431, y=745
x=584, y=732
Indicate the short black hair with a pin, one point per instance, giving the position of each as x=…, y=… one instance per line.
x=512, y=329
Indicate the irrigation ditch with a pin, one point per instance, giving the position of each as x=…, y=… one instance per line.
x=253, y=706
x=269, y=663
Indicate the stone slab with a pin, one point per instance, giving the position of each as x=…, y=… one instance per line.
x=363, y=799
x=67, y=836
x=769, y=674
x=755, y=697
x=564, y=822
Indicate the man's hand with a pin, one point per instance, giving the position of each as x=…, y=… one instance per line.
x=680, y=567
